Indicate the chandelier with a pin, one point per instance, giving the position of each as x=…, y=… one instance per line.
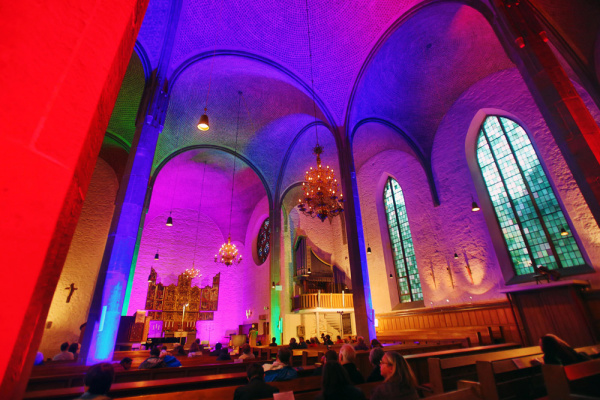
x=320, y=191
x=320, y=186
x=228, y=253
x=193, y=273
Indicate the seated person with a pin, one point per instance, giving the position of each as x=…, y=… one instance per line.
x=74, y=349
x=302, y=344
x=273, y=342
x=293, y=345
x=312, y=343
x=217, y=350
x=328, y=341
x=330, y=356
x=347, y=359
x=195, y=349
x=337, y=386
x=280, y=370
x=125, y=363
x=361, y=345
x=178, y=350
x=154, y=361
x=163, y=351
x=247, y=354
x=557, y=351
x=376, y=343
x=399, y=383
x=98, y=380
x=339, y=340
x=256, y=387
x=375, y=357
x=65, y=354
x=224, y=355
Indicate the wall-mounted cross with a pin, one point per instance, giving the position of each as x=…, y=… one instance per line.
x=72, y=289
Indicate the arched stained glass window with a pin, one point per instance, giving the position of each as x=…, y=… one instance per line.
x=525, y=204
x=407, y=274
x=262, y=243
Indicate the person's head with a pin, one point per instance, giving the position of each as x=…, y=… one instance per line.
x=375, y=343
x=394, y=368
x=327, y=337
x=218, y=346
x=99, y=378
x=552, y=344
x=339, y=337
x=255, y=371
x=301, y=338
x=126, y=363
x=376, y=355
x=64, y=346
x=155, y=352
x=74, y=348
x=164, y=348
x=246, y=349
x=284, y=355
x=197, y=341
x=335, y=377
x=330, y=356
x=274, y=340
x=360, y=339
x=347, y=354
x=293, y=340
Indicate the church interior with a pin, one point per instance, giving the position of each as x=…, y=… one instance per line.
x=400, y=170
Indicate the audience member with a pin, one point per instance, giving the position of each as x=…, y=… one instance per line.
x=348, y=359
x=195, y=349
x=74, y=349
x=375, y=343
x=178, y=350
x=65, y=354
x=557, y=351
x=312, y=343
x=339, y=340
x=280, y=370
x=361, y=345
x=217, y=350
x=154, y=361
x=273, y=342
x=327, y=341
x=330, y=356
x=375, y=357
x=256, y=388
x=98, y=380
x=293, y=345
x=317, y=340
x=399, y=383
x=302, y=344
x=337, y=385
x=224, y=355
x=171, y=361
x=247, y=354
x=163, y=351
x=126, y=363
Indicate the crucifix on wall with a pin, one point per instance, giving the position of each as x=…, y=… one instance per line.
x=71, y=289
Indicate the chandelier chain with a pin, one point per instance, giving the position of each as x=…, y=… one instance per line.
x=312, y=81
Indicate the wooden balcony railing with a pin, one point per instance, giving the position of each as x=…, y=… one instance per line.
x=323, y=300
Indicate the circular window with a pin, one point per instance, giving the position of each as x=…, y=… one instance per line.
x=262, y=243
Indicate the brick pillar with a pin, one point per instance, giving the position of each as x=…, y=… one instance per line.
x=357, y=253
x=60, y=75
x=275, y=251
x=574, y=129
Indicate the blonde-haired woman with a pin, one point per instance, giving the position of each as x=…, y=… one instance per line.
x=399, y=383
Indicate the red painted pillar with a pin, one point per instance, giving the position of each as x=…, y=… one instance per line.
x=61, y=67
x=573, y=127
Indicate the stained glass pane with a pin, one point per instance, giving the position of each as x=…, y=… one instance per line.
x=403, y=252
x=527, y=209
x=262, y=242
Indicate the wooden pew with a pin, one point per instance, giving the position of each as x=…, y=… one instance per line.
x=582, y=379
x=146, y=387
x=444, y=373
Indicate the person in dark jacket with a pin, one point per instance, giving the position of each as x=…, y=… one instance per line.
x=302, y=344
x=557, y=351
x=273, y=342
x=256, y=387
x=281, y=370
x=330, y=356
x=217, y=350
x=224, y=355
x=347, y=359
x=361, y=345
x=375, y=357
x=293, y=345
x=154, y=361
x=336, y=384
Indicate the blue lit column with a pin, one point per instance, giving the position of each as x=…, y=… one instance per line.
x=357, y=254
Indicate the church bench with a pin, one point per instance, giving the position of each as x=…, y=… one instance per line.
x=444, y=373
x=145, y=387
x=582, y=379
x=367, y=389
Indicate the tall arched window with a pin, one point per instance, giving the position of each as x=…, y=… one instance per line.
x=526, y=207
x=407, y=274
x=262, y=242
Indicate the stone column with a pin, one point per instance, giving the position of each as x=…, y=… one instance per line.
x=275, y=251
x=357, y=253
x=574, y=129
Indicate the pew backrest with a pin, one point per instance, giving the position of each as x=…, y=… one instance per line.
x=582, y=378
